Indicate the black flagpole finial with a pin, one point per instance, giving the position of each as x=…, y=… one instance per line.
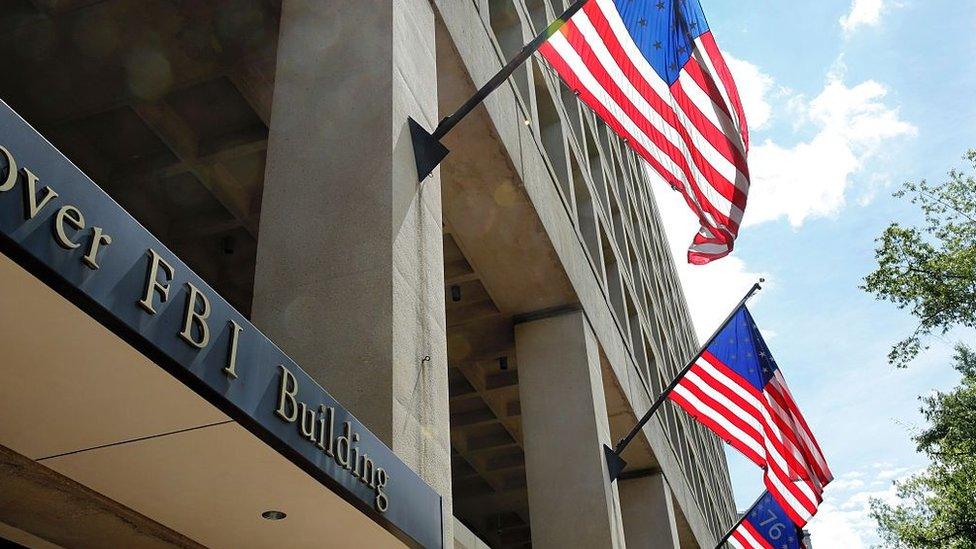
x=428, y=152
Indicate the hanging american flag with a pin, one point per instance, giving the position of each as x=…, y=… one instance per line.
x=766, y=526
x=736, y=389
x=653, y=72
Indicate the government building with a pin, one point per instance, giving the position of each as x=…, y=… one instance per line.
x=231, y=316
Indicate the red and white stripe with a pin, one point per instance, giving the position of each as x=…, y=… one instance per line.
x=693, y=132
x=745, y=536
x=714, y=395
x=766, y=427
x=798, y=497
x=779, y=396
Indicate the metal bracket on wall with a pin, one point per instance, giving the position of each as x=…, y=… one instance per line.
x=428, y=152
x=427, y=148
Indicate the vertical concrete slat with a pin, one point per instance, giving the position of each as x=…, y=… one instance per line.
x=564, y=421
x=349, y=274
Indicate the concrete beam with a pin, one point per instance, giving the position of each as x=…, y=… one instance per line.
x=255, y=81
x=180, y=138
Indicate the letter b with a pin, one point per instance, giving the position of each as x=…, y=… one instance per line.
x=286, y=396
x=192, y=317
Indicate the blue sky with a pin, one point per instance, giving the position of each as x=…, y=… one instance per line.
x=846, y=99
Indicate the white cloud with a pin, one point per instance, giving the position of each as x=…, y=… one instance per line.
x=811, y=178
x=836, y=529
x=847, y=482
x=844, y=518
x=862, y=13
x=890, y=474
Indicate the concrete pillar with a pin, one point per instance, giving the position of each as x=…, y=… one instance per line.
x=349, y=277
x=564, y=424
x=649, y=521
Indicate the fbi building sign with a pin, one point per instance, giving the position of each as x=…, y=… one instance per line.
x=57, y=224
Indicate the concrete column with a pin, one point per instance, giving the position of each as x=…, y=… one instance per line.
x=349, y=277
x=564, y=424
x=649, y=521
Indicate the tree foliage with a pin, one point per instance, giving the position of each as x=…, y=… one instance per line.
x=931, y=270
x=937, y=507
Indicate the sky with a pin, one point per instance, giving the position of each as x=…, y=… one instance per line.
x=846, y=100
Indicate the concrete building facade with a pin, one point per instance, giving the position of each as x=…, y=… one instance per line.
x=493, y=325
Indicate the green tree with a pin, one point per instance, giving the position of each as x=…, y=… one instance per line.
x=937, y=507
x=931, y=270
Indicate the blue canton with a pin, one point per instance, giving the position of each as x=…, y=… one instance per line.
x=773, y=524
x=741, y=347
x=664, y=31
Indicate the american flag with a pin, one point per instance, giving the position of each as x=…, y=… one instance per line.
x=736, y=389
x=653, y=72
x=766, y=526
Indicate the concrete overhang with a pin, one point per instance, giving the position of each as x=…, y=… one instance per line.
x=78, y=400
x=172, y=407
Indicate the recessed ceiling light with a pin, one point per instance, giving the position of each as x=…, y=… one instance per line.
x=273, y=515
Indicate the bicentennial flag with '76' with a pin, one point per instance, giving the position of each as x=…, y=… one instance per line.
x=737, y=390
x=766, y=526
x=651, y=70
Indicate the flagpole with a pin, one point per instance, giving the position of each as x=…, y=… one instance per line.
x=428, y=150
x=728, y=534
x=615, y=463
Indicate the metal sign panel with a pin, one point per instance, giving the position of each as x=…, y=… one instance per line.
x=60, y=226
